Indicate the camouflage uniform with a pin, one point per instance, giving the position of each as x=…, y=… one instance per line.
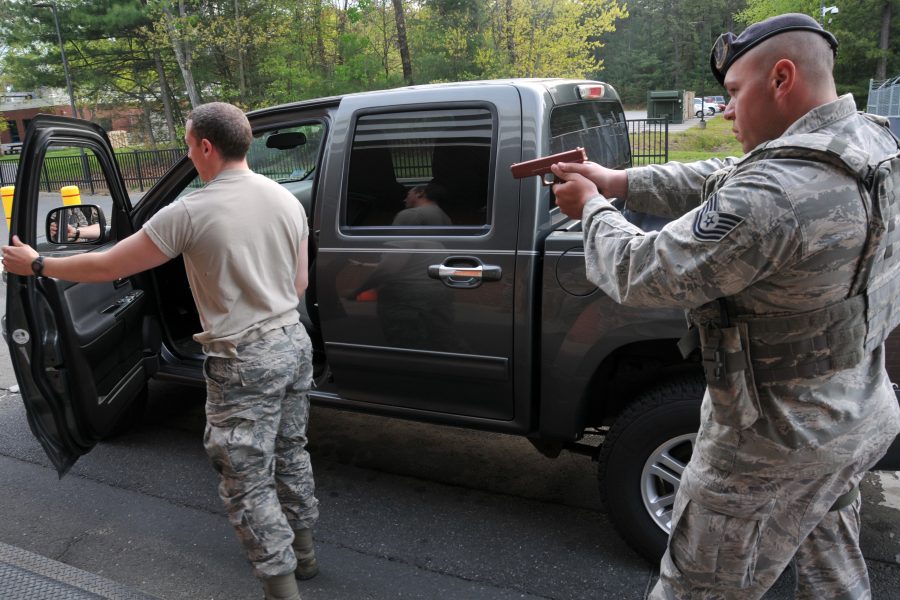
x=257, y=411
x=774, y=237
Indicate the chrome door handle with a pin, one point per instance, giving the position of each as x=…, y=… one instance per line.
x=465, y=272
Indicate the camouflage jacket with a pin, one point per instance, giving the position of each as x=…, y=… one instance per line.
x=774, y=238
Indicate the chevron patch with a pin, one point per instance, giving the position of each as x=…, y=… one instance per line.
x=711, y=225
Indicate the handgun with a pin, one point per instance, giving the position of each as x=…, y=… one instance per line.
x=541, y=166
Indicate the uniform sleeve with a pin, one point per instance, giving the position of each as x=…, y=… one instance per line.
x=672, y=189
x=742, y=233
x=170, y=229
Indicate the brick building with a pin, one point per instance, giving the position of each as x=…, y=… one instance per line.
x=18, y=108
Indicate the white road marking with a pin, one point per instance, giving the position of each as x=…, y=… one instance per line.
x=890, y=483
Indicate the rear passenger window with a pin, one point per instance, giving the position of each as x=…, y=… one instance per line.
x=424, y=171
x=598, y=127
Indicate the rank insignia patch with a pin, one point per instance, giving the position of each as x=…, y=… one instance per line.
x=711, y=225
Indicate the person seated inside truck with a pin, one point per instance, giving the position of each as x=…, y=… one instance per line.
x=422, y=207
x=79, y=226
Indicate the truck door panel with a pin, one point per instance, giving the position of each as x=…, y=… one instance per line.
x=77, y=348
x=399, y=329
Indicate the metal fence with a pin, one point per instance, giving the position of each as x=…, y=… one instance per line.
x=884, y=97
x=140, y=170
x=649, y=141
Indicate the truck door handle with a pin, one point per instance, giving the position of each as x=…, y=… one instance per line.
x=464, y=272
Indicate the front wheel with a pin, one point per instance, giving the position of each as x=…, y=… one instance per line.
x=642, y=459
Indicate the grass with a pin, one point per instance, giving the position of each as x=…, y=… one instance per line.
x=716, y=140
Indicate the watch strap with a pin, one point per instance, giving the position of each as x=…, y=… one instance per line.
x=37, y=265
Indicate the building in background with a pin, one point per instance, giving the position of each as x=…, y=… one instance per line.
x=18, y=108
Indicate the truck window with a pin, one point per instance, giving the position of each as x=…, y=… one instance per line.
x=396, y=158
x=72, y=175
x=599, y=127
x=287, y=155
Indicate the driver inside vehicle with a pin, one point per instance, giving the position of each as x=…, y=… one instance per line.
x=82, y=224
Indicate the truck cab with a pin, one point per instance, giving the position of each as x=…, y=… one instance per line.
x=483, y=319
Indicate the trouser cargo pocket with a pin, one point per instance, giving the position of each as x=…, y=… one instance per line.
x=716, y=538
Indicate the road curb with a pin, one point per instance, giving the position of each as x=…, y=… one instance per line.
x=25, y=575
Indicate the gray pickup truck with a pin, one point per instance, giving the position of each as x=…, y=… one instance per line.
x=484, y=320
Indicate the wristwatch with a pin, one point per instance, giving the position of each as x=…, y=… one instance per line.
x=37, y=265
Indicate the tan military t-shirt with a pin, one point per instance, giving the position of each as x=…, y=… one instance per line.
x=240, y=236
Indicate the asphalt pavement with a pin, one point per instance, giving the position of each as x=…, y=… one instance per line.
x=408, y=510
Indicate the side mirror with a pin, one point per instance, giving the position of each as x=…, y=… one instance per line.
x=81, y=224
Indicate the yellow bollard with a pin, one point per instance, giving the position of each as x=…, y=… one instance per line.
x=70, y=195
x=7, y=192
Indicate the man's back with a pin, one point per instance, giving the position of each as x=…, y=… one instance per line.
x=240, y=236
x=425, y=214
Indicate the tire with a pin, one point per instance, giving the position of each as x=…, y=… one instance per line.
x=711, y=111
x=642, y=458
x=698, y=114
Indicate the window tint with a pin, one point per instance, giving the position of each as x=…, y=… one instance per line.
x=423, y=170
x=598, y=127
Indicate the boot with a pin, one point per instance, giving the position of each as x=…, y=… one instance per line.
x=281, y=587
x=307, y=567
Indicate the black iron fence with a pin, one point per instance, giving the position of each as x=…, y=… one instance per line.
x=649, y=141
x=140, y=170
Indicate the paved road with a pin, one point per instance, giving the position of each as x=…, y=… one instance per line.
x=408, y=511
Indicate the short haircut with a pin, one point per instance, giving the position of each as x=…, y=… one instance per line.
x=436, y=192
x=806, y=49
x=225, y=126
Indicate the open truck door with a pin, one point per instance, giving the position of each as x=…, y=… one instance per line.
x=78, y=349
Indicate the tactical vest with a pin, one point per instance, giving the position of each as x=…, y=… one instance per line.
x=822, y=341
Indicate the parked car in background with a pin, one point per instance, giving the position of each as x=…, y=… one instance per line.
x=701, y=106
x=13, y=148
x=717, y=101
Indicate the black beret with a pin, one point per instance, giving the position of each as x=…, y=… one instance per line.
x=728, y=48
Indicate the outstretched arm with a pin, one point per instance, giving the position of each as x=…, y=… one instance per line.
x=132, y=255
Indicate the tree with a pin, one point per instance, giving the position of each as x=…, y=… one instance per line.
x=402, y=44
x=175, y=28
x=664, y=44
x=866, y=34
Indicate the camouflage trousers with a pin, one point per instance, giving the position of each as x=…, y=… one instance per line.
x=732, y=537
x=256, y=415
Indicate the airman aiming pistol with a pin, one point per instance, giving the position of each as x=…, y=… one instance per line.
x=541, y=166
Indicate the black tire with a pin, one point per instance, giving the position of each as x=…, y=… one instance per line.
x=698, y=114
x=641, y=461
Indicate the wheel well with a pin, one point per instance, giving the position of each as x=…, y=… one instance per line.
x=631, y=370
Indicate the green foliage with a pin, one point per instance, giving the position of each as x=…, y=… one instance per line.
x=857, y=27
x=261, y=52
